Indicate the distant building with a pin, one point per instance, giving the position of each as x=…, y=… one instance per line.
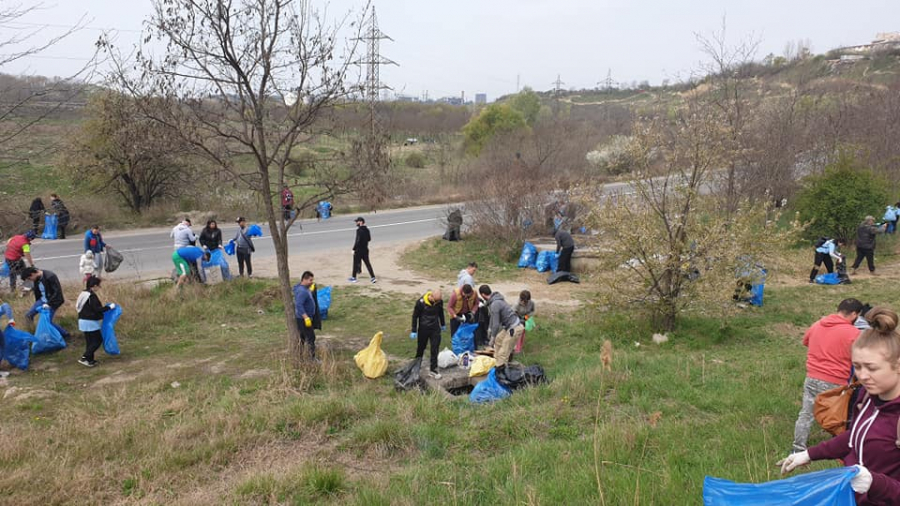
x=883, y=42
x=480, y=98
x=451, y=100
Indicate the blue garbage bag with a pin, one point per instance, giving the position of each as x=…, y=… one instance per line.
x=323, y=296
x=16, y=345
x=4, y=270
x=757, y=288
x=547, y=261
x=830, y=278
x=108, y=330
x=831, y=487
x=229, y=247
x=216, y=259
x=47, y=338
x=489, y=390
x=464, y=338
x=324, y=208
x=51, y=221
x=254, y=231
x=528, y=258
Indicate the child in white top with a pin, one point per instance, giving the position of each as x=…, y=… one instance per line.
x=86, y=267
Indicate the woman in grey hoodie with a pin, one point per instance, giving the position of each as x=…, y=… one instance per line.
x=243, y=246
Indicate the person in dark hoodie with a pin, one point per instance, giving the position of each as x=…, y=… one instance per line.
x=565, y=246
x=427, y=325
x=36, y=211
x=62, y=214
x=90, y=320
x=361, y=250
x=47, y=292
x=827, y=361
x=871, y=444
x=306, y=310
x=865, y=243
x=505, y=328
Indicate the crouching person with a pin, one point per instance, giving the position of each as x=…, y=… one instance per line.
x=183, y=258
x=47, y=292
x=90, y=320
x=427, y=325
x=305, y=311
x=505, y=328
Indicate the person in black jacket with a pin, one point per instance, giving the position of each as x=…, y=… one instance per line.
x=361, y=250
x=865, y=243
x=565, y=245
x=36, y=211
x=62, y=213
x=427, y=325
x=90, y=320
x=47, y=292
x=211, y=236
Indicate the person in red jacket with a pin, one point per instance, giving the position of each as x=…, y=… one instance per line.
x=287, y=202
x=827, y=361
x=872, y=442
x=18, y=251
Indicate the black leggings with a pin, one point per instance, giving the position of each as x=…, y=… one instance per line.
x=93, y=339
x=244, y=258
x=434, y=338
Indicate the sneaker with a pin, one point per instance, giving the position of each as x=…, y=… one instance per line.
x=436, y=375
x=374, y=281
x=85, y=362
x=812, y=281
x=352, y=280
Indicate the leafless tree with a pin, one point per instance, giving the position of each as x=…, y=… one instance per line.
x=248, y=81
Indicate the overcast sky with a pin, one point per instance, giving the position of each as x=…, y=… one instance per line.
x=452, y=46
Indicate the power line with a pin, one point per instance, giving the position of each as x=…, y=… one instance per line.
x=11, y=24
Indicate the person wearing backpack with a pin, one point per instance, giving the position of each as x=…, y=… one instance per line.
x=90, y=320
x=827, y=361
x=826, y=250
x=243, y=247
x=872, y=443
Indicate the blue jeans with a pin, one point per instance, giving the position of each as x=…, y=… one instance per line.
x=36, y=308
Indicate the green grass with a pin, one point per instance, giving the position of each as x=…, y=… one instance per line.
x=719, y=399
x=439, y=259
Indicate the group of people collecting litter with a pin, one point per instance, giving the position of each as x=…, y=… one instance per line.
x=827, y=250
x=501, y=327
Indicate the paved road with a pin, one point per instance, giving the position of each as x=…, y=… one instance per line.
x=148, y=253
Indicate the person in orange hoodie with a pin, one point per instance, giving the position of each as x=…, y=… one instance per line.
x=827, y=361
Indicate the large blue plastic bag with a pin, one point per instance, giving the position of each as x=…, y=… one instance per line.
x=831, y=487
x=323, y=297
x=216, y=259
x=229, y=247
x=489, y=390
x=47, y=338
x=51, y=221
x=254, y=231
x=528, y=258
x=547, y=261
x=108, y=330
x=830, y=278
x=4, y=270
x=16, y=344
x=464, y=338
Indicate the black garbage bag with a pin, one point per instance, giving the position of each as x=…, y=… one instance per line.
x=514, y=376
x=407, y=377
x=113, y=259
x=558, y=276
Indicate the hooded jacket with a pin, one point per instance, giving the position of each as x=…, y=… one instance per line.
x=865, y=236
x=93, y=242
x=871, y=442
x=182, y=235
x=464, y=278
x=502, y=315
x=428, y=315
x=361, y=245
x=829, y=341
x=89, y=306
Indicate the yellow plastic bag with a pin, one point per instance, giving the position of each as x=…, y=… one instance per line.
x=481, y=365
x=371, y=360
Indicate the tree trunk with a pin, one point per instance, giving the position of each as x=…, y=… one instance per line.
x=280, y=240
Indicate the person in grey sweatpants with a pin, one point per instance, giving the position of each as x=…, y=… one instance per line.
x=243, y=246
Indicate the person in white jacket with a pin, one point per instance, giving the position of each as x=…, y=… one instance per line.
x=183, y=235
x=86, y=266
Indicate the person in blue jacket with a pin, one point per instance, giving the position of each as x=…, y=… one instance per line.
x=890, y=218
x=93, y=242
x=183, y=258
x=824, y=254
x=305, y=312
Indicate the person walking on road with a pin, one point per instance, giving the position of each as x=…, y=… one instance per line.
x=287, y=202
x=243, y=246
x=505, y=328
x=35, y=212
x=93, y=242
x=47, y=292
x=90, y=320
x=361, y=250
x=305, y=311
x=565, y=246
x=18, y=252
x=427, y=325
x=865, y=243
x=62, y=214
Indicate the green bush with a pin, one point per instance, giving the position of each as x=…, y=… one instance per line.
x=415, y=160
x=838, y=200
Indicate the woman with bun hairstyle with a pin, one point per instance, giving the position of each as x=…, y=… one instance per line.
x=873, y=442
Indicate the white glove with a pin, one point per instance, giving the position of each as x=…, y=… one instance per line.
x=862, y=481
x=45, y=306
x=112, y=306
x=793, y=461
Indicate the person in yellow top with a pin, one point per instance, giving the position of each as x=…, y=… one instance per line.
x=462, y=307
